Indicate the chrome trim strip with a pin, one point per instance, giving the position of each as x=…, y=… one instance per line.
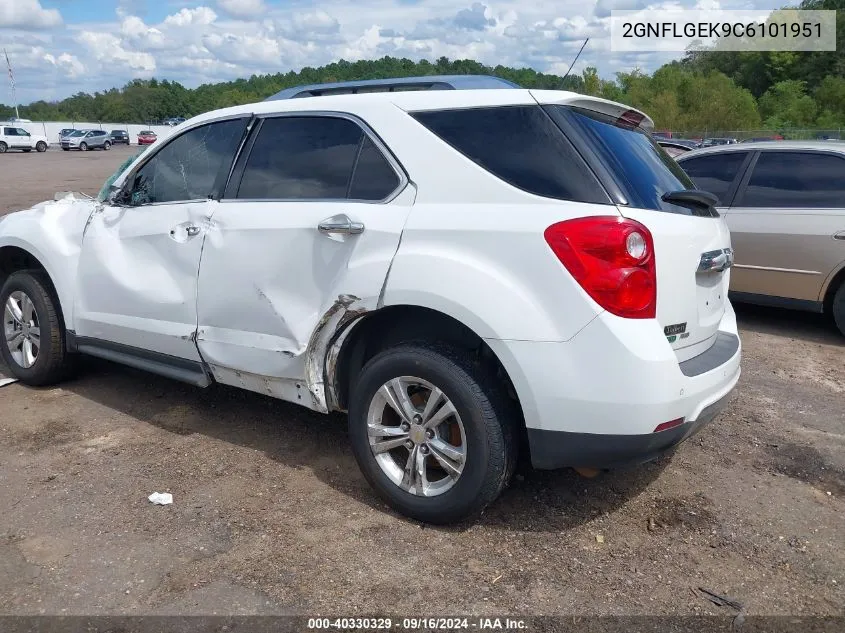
x=778, y=270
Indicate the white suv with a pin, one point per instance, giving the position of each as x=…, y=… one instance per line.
x=469, y=273
x=12, y=137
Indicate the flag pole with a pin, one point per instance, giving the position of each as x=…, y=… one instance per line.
x=12, y=82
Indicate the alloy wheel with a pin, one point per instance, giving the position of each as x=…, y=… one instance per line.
x=417, y=436
x=21, y=329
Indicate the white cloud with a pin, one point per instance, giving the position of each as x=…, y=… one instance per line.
x=201, y=16
x=66, y=63
x=27, y=14
x=242, y=8
x=107, y=49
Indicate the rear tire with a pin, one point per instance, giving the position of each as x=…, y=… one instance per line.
x=41, y=146
x=478, y=436
x=3, y=147
x=838, y=308
x=107, y=146
x=37, y=353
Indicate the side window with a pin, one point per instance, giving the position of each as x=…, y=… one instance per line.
x=22, y=132
x=796, y=179
x=10, y=131
x=715, y=173
x=189, y=166
x=315, y=158
x=374, y=178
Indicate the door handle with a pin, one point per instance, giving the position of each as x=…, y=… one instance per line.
x=184, y=232
x=340, y=224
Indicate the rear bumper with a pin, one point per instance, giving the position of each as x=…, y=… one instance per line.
x=559, y=449
x=595, y=400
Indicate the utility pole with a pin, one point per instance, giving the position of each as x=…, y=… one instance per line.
x=12, y=82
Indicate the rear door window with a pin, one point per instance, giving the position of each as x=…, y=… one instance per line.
x=796, y=179
x=638, y=166
x=315, y=158
x=715, y=173
x=520, y=145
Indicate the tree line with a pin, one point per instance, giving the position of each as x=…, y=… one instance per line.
x=707, y=90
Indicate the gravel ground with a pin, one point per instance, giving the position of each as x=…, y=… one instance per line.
x=272, y=516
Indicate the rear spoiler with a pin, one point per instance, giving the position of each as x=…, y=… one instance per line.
x=619, y=111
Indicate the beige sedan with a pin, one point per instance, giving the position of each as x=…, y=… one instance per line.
x=784, y=202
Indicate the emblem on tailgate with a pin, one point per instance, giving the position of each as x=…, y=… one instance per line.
x=672, y=331
x=716, y=261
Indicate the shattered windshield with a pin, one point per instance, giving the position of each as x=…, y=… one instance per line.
x=104, y=192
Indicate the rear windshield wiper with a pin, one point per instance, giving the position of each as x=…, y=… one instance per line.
x=699, y=202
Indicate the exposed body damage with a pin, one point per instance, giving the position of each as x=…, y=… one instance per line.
x=324, y=347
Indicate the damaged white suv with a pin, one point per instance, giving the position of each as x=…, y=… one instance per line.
x=470, y=273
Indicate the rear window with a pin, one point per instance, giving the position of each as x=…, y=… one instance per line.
x=637, y=164
x=520, y=145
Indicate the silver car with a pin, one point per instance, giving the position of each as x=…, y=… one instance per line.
x=86, y=139
x=784, y=203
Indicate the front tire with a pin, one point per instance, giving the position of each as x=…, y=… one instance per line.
x=432, y=432
x=83, y=147
x=34, y=343
x=41, y=146
x=27, y=150
x=838, y=308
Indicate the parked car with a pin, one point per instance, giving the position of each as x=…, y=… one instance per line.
x=20, y=139
x=709, y=142
x=147, y=137
x=65, y=132
x=673, y=148
x=456, y=269
x=86, y=139
x=118, y=137
x=785, y=206
x=760, y=139
x=174, y=121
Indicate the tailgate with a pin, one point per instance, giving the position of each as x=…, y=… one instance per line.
x=692, y=260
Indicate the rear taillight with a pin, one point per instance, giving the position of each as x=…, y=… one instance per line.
x=612, y=258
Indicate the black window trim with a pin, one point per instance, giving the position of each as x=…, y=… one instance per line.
x=743, y=172
x=128, y=177
x=236, y=176
x=743, y=185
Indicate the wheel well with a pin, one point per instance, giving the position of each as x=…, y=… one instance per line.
x=14, y=259
x=832, y=287
x=390, y=326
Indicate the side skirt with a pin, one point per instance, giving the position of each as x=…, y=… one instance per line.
x=191, y=372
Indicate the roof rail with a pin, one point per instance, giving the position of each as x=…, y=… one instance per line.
x=431, y=82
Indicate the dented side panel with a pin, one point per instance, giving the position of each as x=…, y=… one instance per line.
x=273, y=290
x=52, y=233
x=137, y=276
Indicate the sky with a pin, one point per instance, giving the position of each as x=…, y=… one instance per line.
x=60, y=47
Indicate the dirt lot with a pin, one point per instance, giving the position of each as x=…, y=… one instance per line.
x=272, y=516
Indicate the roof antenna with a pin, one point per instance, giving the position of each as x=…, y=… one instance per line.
x=576, y=59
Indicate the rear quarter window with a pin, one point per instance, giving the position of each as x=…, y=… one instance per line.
x=520, y=145
x=715, y=173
